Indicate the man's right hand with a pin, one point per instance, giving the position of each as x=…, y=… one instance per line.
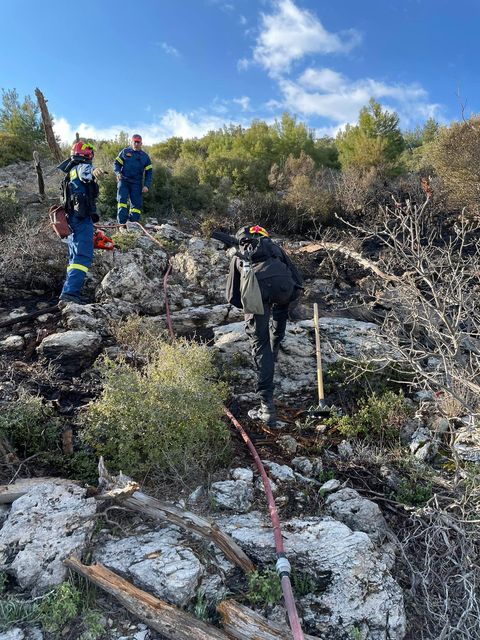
x=119, y=177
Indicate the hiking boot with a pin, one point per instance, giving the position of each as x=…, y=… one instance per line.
x=265, y=413
x=66, y=298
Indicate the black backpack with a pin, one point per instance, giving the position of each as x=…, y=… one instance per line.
x=276, y=281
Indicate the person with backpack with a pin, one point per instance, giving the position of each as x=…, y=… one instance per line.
x=263, y=281
x=133, y=169
x=79, y=194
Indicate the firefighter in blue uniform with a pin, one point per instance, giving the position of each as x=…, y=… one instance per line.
x=133, y=169
x=79, y=200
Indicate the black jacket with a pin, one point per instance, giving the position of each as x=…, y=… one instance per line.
x=269, y=253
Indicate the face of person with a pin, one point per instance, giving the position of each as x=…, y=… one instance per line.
x=137, y=144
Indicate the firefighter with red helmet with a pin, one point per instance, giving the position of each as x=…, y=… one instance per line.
x=133, y=169
x=80, y=191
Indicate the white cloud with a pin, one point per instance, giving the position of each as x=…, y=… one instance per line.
x=244, y=102
x=329, y=94
x=169, y=50
x=290, y=33
x=170, y=123
x=243, y=64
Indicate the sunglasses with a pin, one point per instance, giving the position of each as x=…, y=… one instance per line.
x=137, y=142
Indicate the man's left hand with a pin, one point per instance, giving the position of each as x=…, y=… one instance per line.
x=145, y=190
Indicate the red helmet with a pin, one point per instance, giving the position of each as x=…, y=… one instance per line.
x=82, y=148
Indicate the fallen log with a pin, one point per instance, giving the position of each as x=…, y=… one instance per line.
x=350, y=253
x=242, y=623
x=171, y=622
x=123, y=490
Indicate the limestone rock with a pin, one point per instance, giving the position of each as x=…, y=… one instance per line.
x=43, y=527
x=72, y=350
x=232, y=494
x=358, y=513
x=157, y=562
x=359, y=590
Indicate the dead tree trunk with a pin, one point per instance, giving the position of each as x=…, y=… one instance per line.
x=38, y=169
x=47, y=126
x=171, y=622
x=242, y=623
x=122, y=489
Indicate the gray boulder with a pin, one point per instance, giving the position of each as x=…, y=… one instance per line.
x=46, y=525
x=157, y=561
x=236, y=495
x=71, y=350
x=358, y=513
x=358, y=588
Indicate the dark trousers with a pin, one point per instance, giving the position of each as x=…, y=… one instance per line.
x=265, y=339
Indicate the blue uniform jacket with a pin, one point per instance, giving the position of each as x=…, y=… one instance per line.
x=133, y=166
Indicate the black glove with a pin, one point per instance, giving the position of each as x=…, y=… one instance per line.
x=95, y=217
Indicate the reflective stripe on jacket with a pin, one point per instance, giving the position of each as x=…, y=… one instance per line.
x=134, y=166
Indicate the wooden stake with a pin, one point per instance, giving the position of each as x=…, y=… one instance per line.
x=321, y=394
x=38, y=169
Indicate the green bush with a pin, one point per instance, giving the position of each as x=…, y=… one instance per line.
x=13, y=149
x=164, y=420
x=379, y=417
x=9, y=207
x=30, y=426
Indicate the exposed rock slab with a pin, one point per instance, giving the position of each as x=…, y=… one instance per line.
x=43, y=527
x=72, y=350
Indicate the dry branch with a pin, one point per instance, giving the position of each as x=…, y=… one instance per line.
x=122, y=489
x=336, y=246
x=171, y=622
x=242, y=623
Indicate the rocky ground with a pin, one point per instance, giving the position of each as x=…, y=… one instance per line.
x=339, y=501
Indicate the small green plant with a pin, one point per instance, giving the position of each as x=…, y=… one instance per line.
x=125, y=240
x=412, y=493
x=164, y=420
x=379, y=417
x=140, y=334
x=30, y=426
x=355, y=634
x=264, y=587
x=54, y=611
x=303, y=584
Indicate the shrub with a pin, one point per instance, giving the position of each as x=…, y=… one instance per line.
x=378, y=418
x=264, y=587
x=13, y=149
x=164, y=420
x=142, y=335
x=29, y=425
x=9, y=207
x=31, y=257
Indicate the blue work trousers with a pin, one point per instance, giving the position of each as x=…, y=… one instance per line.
x=129, y=191
x=80, y=253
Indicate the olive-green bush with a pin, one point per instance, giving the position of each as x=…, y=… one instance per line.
x=30, y=426
x=165, y=420
x=13, y=149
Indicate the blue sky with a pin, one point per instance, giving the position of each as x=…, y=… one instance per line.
x=184, y=67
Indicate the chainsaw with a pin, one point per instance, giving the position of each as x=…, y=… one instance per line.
x=101, y=241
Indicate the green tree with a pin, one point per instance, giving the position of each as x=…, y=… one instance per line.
x=21, y=119
x=376, y=142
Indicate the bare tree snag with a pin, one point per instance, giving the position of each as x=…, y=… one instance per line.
x=122, y=489
x=336, y=246
x=48, y=127
x=38, y=169
x=171, y=622
x=242, y=623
